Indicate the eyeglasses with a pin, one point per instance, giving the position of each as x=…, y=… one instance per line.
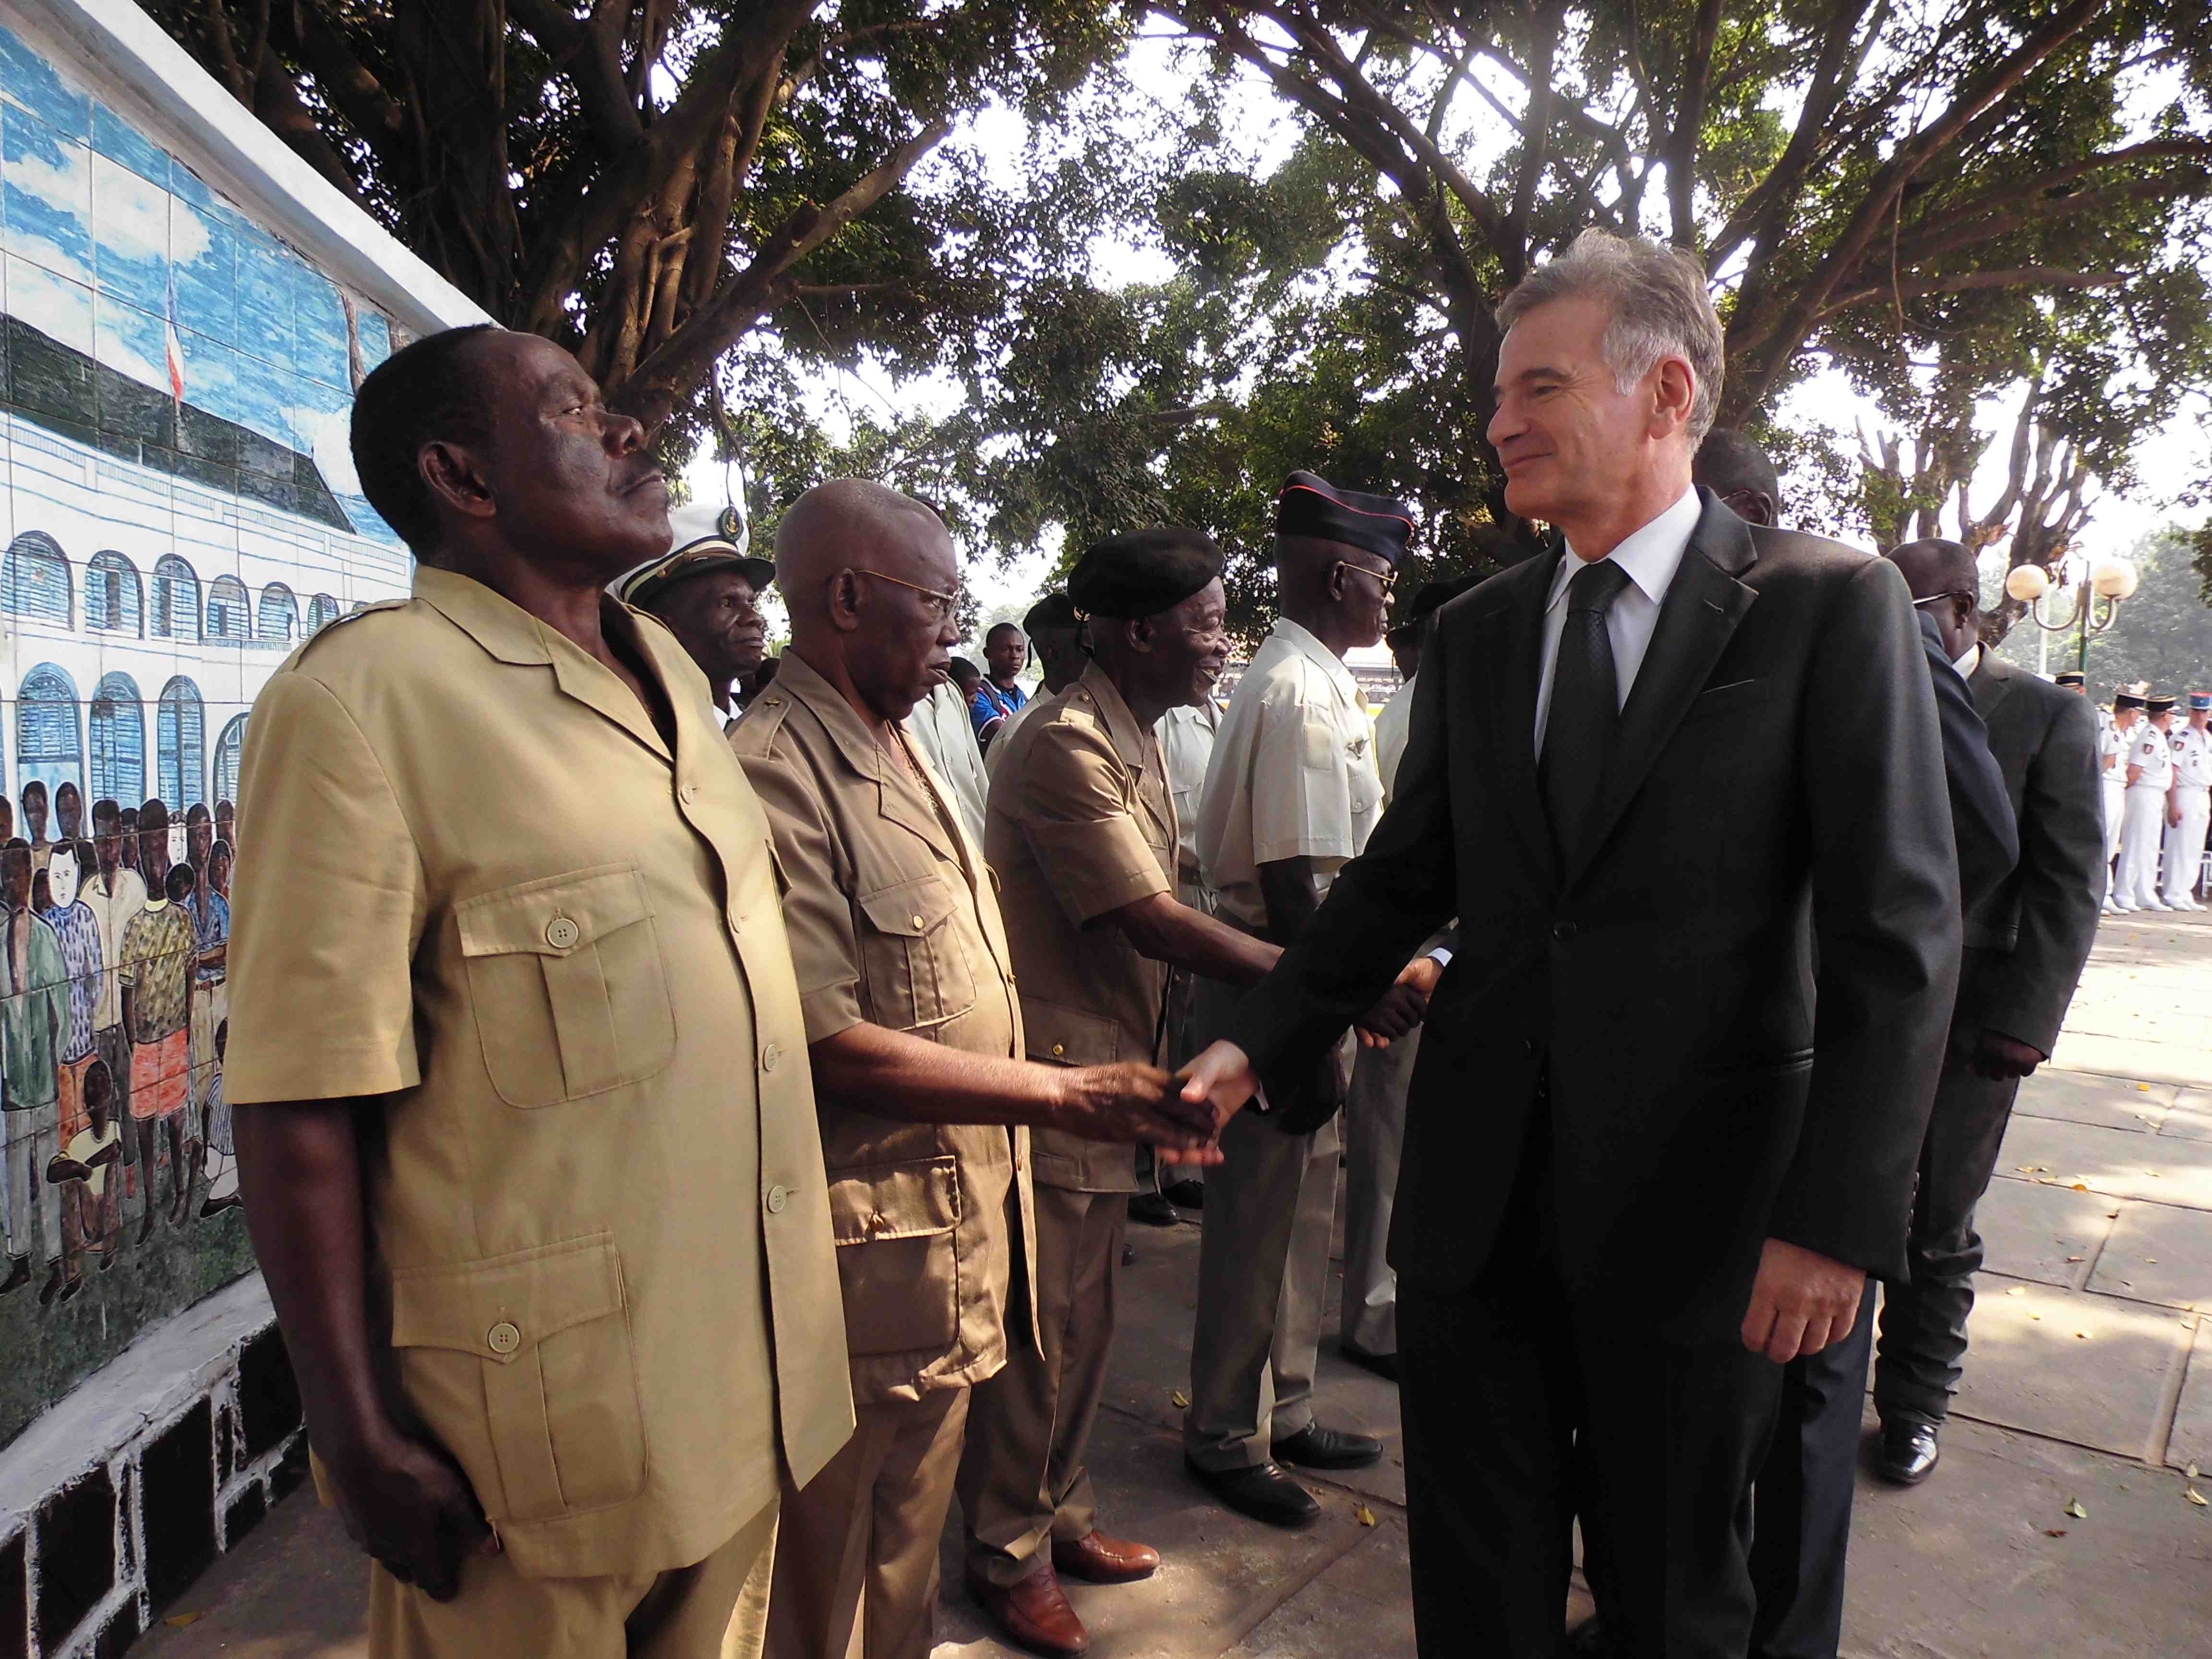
x=941, y=604
x=1969, y=600
x=1387, y=578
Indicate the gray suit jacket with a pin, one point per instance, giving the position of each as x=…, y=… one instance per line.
x=2033, y=932
x=1776, y=782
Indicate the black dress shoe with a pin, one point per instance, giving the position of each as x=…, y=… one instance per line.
x=1185, y=1195
x=1384, y=1365
x=1909, y=1453
x=1152, y=1210
x=1260, y=1491
x=1315, y=1448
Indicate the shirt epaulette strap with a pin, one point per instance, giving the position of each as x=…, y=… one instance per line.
x=337, y=622
x=756, y=727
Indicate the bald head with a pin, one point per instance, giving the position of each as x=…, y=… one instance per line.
x=1946, y=584
x=868, y=576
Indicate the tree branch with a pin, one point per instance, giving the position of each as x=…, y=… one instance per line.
x=1681, y=155
x=590, y=59
x=1969, y=281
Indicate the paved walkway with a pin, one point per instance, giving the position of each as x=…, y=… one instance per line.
x=2090, y=1386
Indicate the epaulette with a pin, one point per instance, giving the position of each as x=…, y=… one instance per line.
x=756, y=727
x=337, y=622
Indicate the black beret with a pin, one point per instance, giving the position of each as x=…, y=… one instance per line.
x=1311, y=505
x=1054, y=610
x=1144, y=573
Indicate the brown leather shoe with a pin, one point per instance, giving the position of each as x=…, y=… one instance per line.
x=1035, y=1613
x=1098, y=1560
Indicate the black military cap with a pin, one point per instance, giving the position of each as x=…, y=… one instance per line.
x=1311, y=505
x=2160, y=704
x=1054, y=610
x=1144, y=573
x=2070, y=677
x=2126, y=700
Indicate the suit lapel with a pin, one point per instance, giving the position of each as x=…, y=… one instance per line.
x=1990, y=682
x=1513, y=646
x=1696, y=621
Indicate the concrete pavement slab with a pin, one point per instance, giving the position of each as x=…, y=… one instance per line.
x=2159, y=1167
x=2115, y=1103
x=2190, y=1118
x=2158, y=1253
x=2191, y=1440
x=2090, y=1369
x=1964, y=1567
x=2047, y=1233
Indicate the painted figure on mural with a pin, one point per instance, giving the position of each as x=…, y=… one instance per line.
x=34, y=1032
x=89, y=1176
x=114, y=895
x=210, y=911
x=226, y=829
x=58, y=899
x=221, y=1157
x=155, y=971
x=68, y=813
x=128, y=822
x=34, y=823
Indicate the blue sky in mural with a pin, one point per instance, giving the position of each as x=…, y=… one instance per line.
x=108, y=238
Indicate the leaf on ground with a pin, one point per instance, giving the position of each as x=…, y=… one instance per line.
x=1365, y=1516
x=2143, y=1088
x=1180, y=1400
x=2073, y=1258
x=178, y=1620
x=2080, y=1336
x=2083, y=1185
x=2054, y=1532
x=2190, y=1471
x=2111, y=1215
x=2197, y=1498
x=2035, y=1315
x=2076, y=1510
x=2017, y=1289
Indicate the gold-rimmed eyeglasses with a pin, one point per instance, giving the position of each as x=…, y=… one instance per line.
x=1387, y=578
x=941, y=604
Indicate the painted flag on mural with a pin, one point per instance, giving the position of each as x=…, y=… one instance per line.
x=174, y=346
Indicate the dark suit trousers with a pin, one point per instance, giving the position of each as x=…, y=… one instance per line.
x=1523, y=1403
x=1802, y=1506
x=1918, y=1357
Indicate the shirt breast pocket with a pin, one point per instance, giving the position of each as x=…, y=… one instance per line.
x=567, y=985
x=912, y=955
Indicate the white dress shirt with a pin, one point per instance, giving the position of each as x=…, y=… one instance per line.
x=1651, y=556
x=1967, y=662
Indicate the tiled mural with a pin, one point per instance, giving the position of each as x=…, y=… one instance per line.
x=179, y=512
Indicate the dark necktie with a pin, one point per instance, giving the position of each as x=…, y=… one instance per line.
x=1585, y=706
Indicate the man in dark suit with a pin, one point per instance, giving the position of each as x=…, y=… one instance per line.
x=1681, y=782
x=1800, y=1515
x=2025, y=944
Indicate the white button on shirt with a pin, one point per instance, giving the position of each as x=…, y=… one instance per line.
x=1651, y=556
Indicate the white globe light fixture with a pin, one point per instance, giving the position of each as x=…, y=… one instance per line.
x=2099, y=583
x=2114, y=579
x=2028, y=583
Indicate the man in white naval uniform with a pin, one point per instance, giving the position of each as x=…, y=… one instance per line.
x=2189, y=814
x=2114, y=738
x=2143, y=821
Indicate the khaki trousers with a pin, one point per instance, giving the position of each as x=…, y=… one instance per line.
x=714, y=1609
x=856, y=1572
x=1262, y=1275
x=1022, y=1477
x=1374, y=1135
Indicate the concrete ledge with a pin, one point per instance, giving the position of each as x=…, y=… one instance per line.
x=125, y=1491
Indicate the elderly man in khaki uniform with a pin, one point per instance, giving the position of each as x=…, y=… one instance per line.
x=1290, y=796
x=516, y=1055
x=915, y=1035
x=1082, y=831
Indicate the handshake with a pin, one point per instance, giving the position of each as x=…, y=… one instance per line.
x=1181, y=1117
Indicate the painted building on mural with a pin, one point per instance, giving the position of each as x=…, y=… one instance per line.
x=180, y=512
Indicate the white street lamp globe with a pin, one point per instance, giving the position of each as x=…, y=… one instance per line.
x=2028, y=583
x=2113, y=578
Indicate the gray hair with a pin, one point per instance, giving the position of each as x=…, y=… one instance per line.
x=1659, y=304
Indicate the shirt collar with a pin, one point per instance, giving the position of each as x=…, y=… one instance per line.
x=804, y=683
x=1968, y=660
x=1302, y=640
x=1650, y=554
x=495, y=622
x=1129, y=741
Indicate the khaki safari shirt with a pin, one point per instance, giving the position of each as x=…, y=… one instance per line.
x=1081, y=823
x=481, y=888
x=893, y=922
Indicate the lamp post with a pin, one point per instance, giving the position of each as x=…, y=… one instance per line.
x=2104, y=584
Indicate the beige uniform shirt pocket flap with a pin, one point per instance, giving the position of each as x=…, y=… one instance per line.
x=917, y=1200
x=909, y=908
x=898, y=1261
x=503, y=1306
x=1070, y=1037
x=521, y=1365
x=553, y=917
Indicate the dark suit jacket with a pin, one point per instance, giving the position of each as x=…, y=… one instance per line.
x=2031, y=936
x=1982, y=825
x=1777, y=776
